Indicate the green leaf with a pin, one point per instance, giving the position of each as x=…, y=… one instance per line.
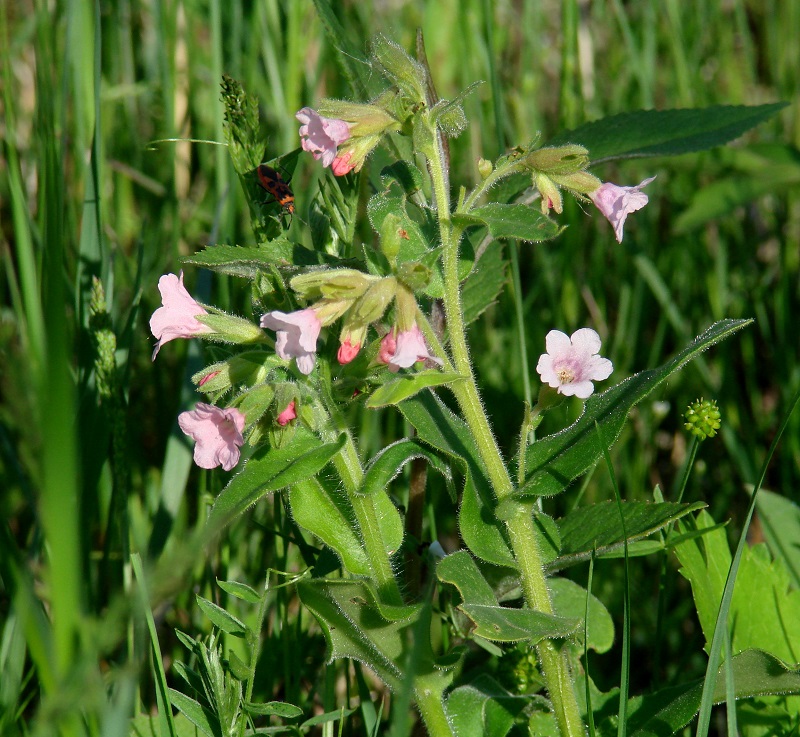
x=518, y=221
x=437, y=426
x=357, y=626
x=780, y=521
x=484, y=283
x=275, y=708
x=387, y=464
x=598, y=527
x=665, y=132
x=483, y=708
x=220, y=618
x=407, y=385
x=271, y=469
x=554, y=461
x=248, y=262
x=198, y=715
x=460, y=570
x=240, y=591
x=404, y=174
x=569, y=601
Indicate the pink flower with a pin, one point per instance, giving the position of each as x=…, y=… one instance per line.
x=320, y=136
x=347, y=351
x=572, y=364
x=296, y=335
x=289, y=414
x=404, y=350
x=177, y=316
x=217, y=434
x=341, y=165
x=616, y=203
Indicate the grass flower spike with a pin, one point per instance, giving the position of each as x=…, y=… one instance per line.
x=177, y=316
x=571, y=364
x=616, y=202
x=296, y=335
x=217, y=434
x=321, y=136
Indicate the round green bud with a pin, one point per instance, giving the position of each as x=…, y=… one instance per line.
x=702, y=418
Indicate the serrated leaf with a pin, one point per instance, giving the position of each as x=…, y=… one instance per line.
x=220, y=618
x=518, y=221
x=665, y=132
x=271, y=469
x=198, y=715
x=240, y=591
x=437, y=426
x=484, y=283
x=388, y=463
x=598, y=527
x=556, y=460
x=405, y=386
x=275, y=708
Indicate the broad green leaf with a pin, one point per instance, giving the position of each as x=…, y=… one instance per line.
x=271, y=469
x=357, y=626
x=483, y=708
x=780, y=521
x=460, y=570
x=405, y=386
x=764, y=611
x=664, y=713
x=484, y=283
x=248, y=262
x=275, y=708
x=328, y=515
x=240, y=591
x=517, y=221
x=598, y=527
x=387, y=464
x=220, y=618
x=198, y=715
x=569, y=601
x=665, y=132
x=437, y=426
x=556, y=460
x=405, y=174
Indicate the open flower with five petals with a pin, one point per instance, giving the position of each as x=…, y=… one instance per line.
x=571, y=364
x=217, y=434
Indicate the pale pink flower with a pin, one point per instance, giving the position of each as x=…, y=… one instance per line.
x=321, y=136
x=347, y=351
x=342, y=165
x=217, y=434
x=616, y=202
x=571, y=364
x=296, y=335
x=289, y=414
x=177, y=316
x=405, y=349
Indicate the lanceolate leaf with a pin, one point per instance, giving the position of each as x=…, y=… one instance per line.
x=485, y=282
x=269, y=470
x=198, y=715
x=665, y=132
x=554, y=461
x=407, y=385
x=221, y=618
x=439, y=427
x=387, y=464
x=248, y=262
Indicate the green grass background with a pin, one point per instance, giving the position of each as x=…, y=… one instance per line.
x=110, y=168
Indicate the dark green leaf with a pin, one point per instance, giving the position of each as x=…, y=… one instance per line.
x=407, y=385
x=484, y=283
x=460, y=570
x=483, y=708
x=518, y=221
x=269, y=470
x=387, y=464
x=598, y=527
x=248, y=262
x=665, y=132
x=554, y=461
x=569, y=600
x=220, y=618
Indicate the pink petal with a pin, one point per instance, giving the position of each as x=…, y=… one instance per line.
x=217, y=434
x=177, y=316
x=321, y=136
x=289, y=414
x=616, y=202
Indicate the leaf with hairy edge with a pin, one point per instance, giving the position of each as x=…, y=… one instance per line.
x=518, y=221
x=387, y=464
x=598, y=527
x=556, y=460
x=437, y=426
x=396, y=390
x=198, y=715
x=269, y=470
x=221, y=618
x=492, y=621
x=248, y=262
x=569, y=600
x=484, y=707
x=665, y=132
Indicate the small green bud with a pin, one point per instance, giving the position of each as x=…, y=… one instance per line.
x=703, y=418
x=580, y=181
x=551, y=197
x=559, y=160
x=484, y=168
x=408, y=74
x=331, y=284
x=371, y=306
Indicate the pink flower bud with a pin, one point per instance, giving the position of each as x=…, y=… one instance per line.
x=289, y=414
x=347, y=351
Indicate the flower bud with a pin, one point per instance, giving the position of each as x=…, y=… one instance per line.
x=551, y=197
x=406, y=307
x=581, y=181
x=558, y=159
x=702, y=418
x=484, y=168
x=409, y=75
x=331, y=284
x=232, y=329
x=371, y=306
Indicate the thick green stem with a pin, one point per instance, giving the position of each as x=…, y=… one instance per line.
x=524, y=544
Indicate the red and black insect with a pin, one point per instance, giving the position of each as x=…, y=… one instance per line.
x=274, y=183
